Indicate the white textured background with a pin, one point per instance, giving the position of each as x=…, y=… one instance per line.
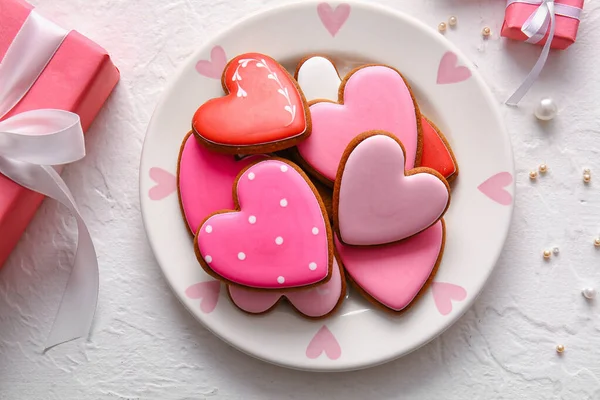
x=146, y=346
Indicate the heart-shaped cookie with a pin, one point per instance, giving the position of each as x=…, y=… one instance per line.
x=376, y=202
x=373, y=97
x=204, y=181
x=263, y=111
x=437, y=153
x=316, y=302
x=394, y=275
x=319, y=79
x=278, y=237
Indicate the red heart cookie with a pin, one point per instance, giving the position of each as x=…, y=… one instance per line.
x=263, y=111
x=278, y=238
x=437, y=153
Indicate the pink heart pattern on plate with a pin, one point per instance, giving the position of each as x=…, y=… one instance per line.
x=166, y=183
x=374, y=98
x=324, y=342
x=445, y=293
x=214, y=67
x=333, y=19
x=494, y=188
x=279, y=238
x=207, y=292
x=314, y=303
x=449, y=72
x=390, y=208
x=393, y=275
x=205, y=193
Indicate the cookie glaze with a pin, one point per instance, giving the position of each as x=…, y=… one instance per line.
x=393, y=275
x=376, y=203
x=435, y=154
x=374, y=98
x=315, y=302
x=319, y=80
x=205, y=179
x=263, y=106
x=278, y=239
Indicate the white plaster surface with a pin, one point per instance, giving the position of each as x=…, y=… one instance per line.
x=146, y=346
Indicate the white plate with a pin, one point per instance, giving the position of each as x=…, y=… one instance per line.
x=358, y=335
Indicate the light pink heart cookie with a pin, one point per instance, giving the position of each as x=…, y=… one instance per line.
x=333, y=19
x=376, y=202
x=449, y=72
x=278, y=238
x=324, y=342
x=313, y=303
x=374, y=98
x=393, y=275
x=205, y=179
x=444, y=293
x=494, y=188
x=165, y=183
x=207, y=292
x=214, y=67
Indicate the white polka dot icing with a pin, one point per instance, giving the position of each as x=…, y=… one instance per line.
x=284, y=168
x=251, y=176
x=315, y=231
x=281, y=280
x=271, y=233
x=208, y=259
x=209, y=229
x=312, y=266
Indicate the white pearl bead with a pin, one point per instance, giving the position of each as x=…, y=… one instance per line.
x=556, y=251
x=546, y=109
x=589, y=293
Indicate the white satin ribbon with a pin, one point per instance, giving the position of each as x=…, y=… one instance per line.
x=536, y=27
x=30, y=144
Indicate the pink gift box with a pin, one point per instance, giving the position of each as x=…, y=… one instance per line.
x=79, y=79
x=566, y=27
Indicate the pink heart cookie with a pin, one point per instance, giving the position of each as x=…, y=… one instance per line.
x=277, y=239
x=314, y=303
x=372, y=98
x=394, y=275
x=204, y=179
x=376, y=202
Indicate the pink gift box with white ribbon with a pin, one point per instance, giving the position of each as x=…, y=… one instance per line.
x=79, y=78
x=53, y=83
x=520, y=13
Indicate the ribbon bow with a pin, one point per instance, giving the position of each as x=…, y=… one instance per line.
x=536, y=27
x=30, y=144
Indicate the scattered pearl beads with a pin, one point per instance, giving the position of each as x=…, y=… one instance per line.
x=533, y=175
x=442, y=27
x=560, y=348
x=452, y=21
x=543, y=168
x=547, y=254
x=589, y=293
x=556, y=251
x=597, y=242
x=587, y=175
x=486, y=32
x=546, y=109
